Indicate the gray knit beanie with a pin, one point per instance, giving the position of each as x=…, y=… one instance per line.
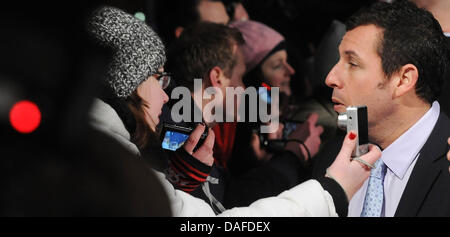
x=138, y=51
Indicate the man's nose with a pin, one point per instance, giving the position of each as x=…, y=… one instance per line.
x=332, y=79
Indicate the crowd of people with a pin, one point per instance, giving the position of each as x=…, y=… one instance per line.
x=107, y=157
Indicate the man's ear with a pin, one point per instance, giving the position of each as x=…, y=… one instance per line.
x=406, y=79
x=216, y=77
x=178, y=31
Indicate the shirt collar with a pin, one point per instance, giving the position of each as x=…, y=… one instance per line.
x=447, y=34
x=402, y=152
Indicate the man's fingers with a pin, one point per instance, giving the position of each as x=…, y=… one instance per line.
x=319, y=129
x=313, y=119
x=192, y=141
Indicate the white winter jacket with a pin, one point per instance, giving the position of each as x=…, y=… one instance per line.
x=306, y=199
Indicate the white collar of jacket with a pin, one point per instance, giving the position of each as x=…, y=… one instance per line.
x=104, y=118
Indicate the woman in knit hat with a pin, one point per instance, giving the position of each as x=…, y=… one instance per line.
x=265, y=56
x=133, y=95
x=127, y=113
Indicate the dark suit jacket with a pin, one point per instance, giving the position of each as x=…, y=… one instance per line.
x=428, y=190
x=444, y=99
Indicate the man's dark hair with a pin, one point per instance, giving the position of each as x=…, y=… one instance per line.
x=200, y=48
x=410, y=35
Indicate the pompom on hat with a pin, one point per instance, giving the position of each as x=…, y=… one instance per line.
x=260, y=41
x=138, y=50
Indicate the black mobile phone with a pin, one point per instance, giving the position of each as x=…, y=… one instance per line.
x=174, y=136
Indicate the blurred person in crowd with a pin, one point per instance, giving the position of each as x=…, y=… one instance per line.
x=325, y=57
x=392, y=59
x=266, y=62
x=172, y=17
x=136, y=44
x=265, y=56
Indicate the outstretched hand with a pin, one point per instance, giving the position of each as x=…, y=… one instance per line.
x=309, y=133
x=351, y=174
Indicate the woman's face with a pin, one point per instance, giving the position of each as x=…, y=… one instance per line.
x=277, y=71
x=154, y=97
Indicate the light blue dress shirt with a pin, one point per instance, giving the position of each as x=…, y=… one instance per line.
x=400, y=158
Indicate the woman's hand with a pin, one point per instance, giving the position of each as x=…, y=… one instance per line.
x=205, y=152
x=351, y=174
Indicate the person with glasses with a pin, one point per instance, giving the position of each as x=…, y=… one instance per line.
x=134, y=91
x=163, y=79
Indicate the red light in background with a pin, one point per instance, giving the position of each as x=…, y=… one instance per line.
x=25, y=116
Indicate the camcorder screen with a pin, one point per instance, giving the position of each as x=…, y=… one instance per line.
x=173, y=140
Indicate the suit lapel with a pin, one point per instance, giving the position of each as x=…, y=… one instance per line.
x=426, y=170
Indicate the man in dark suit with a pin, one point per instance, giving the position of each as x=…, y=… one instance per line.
x=392, y=59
